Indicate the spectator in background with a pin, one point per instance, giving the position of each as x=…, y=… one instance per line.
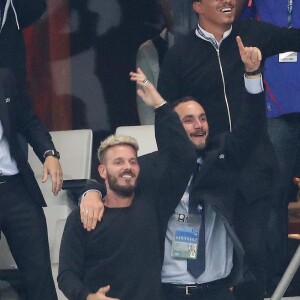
x=282, y=81
x=150, y=56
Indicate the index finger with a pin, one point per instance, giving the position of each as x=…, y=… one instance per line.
x=240, y=44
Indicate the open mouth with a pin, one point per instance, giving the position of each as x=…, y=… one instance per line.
x=127, y=175
x=198, y=134
x=226, y=10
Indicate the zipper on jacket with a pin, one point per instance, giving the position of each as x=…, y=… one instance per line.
x=224, y=90
x=3, y=19
x=16, y=16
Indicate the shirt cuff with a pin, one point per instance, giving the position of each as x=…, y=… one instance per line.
x=84, y=194
x=254, y=85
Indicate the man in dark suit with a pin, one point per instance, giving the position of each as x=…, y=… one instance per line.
x=22, y=219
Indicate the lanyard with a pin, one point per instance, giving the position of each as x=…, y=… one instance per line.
x=290, y=13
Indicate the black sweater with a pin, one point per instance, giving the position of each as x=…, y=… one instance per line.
x=125, y=242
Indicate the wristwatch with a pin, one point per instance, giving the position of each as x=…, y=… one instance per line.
x=52, y=153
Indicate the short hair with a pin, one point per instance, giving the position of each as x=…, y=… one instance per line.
x=116, y=140
x=183, y=100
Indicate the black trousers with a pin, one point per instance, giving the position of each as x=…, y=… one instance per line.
x=251, y=226
x=218, y=294
x=24, y=225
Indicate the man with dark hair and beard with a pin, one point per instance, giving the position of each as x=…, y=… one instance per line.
x=121, y=258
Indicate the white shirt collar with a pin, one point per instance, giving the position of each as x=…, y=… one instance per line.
x=207, y=36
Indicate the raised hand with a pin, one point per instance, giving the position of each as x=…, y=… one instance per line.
x=251, y=56
x=147, y=91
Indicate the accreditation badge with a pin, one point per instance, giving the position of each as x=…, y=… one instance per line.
x=288, y=57
x=185, y=241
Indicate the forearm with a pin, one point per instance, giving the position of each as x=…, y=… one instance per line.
x=29, y=125
x=72, y=259
x=171, y=136
x=96, y=186
x=72, y=286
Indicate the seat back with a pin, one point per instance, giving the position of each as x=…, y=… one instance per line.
x=75, y=147
x=144, y=134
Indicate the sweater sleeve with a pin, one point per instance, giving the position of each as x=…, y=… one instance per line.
x=71, y=259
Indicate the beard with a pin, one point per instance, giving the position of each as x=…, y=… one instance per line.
x=123, y=191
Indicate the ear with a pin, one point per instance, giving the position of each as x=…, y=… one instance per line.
x=197, y=6
x=102, y=171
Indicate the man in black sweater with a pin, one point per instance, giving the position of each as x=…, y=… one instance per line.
x=121, y=257
x=207, y=66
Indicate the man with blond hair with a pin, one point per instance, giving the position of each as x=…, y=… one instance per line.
x=122, y=257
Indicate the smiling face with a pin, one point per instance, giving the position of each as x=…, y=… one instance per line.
x=193, y=119
x=120, y=170
x=215, y=14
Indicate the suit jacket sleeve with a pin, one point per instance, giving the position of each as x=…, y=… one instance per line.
x=165, y=173
x=28, y=124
